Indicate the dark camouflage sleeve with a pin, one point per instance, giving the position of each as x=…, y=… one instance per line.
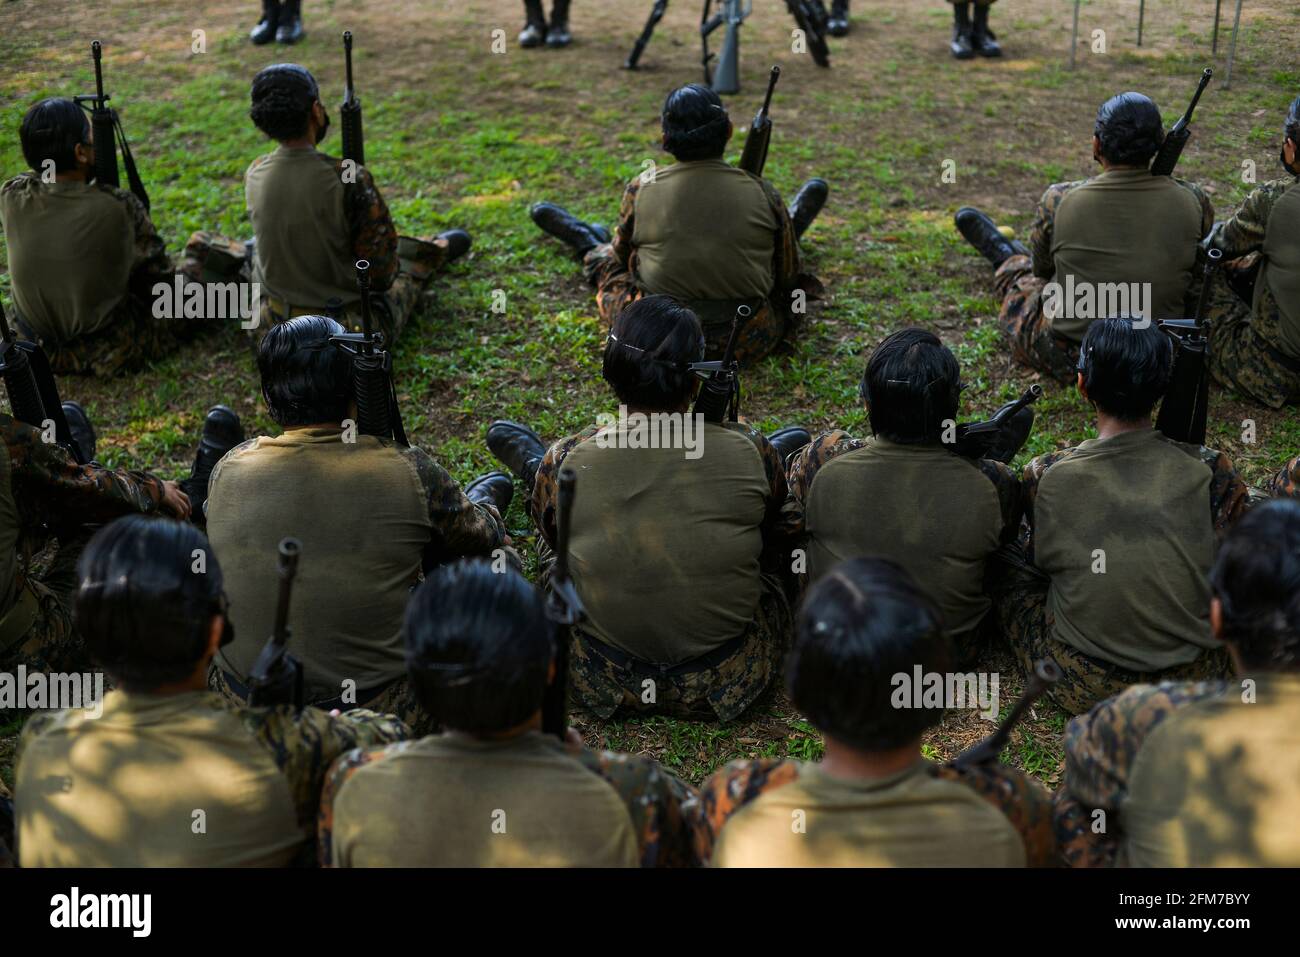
x=339, y=772
x=1229, y=493
x=1286, y=483
x=787, y=259
x=1040, y=234
x=306, y=743
x=1100, y=748
x=774, y=526
x=802, y=469
x=374, y=237
x=730, y=789
x=1029, y=479
x=460, y=527
x=546, y=487
x=151, y=259
x=1024, y=802
x=51, y=487
x=1244, y=233
x=664, y=809
x=624, y=251
x=1010, y=499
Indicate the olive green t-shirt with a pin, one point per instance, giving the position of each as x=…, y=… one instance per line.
x=71, y=251
x=362, y=515
x=1217, y=782
x=452, y=800
x=935, y=513
x=297, y=203
x=1126, y=226
x=704, y=230
x=1280, y=271
x=1123, y=527
x=664, y=549
x=910, y=819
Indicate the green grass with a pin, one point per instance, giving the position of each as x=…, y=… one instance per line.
x=458, y=136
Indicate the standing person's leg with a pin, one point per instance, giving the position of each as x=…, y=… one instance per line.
x=982, y=38
x=534, y=32
x=290, y=28
x=264, y=32
x=557, y=33
x=962, y=45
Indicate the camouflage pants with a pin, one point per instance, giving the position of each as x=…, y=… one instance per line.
x=1033, y=341
x=1020, y=598
x=397, y=699
x=51, y=644
x=721, y=691
x=616, y=289
x=1241, y=356
x=1286, y=483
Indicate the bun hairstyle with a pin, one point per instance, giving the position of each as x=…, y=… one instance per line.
x=1130, y=129
x=695, y=123
x=648, y=353
x=281, y=100
x=305, y=379
x=913, y=385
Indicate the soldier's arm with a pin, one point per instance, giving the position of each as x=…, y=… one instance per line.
x=151, y=259
x=460, y=527
x=1040, y=235
x=1244, y=232
x=730, y=789
x=1203, y=199
x=338, y=775
x=1286, y=483
x=774, y=526
x=546, y=488
x=664, y=809
x=802, y=469
x=1029, y=478
x=304, y=745
x=622, y=242
x=1010, y=495
x=1100, y=748
x=1229, y=493
x=374, y=237
x=1024, y=802
x=50, y=481
x=787, y=261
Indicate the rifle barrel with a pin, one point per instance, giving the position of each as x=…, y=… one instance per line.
x=347, y=56
x=771, y=88
x=97, y=53
x=1213, y=257
x=363, y=284
x=287, y=567
x=563, y=522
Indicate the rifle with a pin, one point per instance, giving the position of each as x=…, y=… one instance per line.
x=754, y=157
x=1183, y=412
x=656, y=14
x=721, y=391
x=976, y=440
x=1172, y=148
x=372, y=371
x=810, y=16
x=1046, y=673
x=108, y=133
x=33, y=393
x=725, y=78
x=354, y=145
x=564, y=608
x=276, y=677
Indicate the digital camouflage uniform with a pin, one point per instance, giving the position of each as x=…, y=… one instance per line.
x=726, y=687
x=1020, y=281
x=131, y=337
x=664, y=810
x=54, y=497
x=1286, y=483
x=1246, y=349
x=1023, y=801
x=302, y=746
x=612, y=268
x=1021, y=592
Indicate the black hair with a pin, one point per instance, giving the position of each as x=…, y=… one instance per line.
x=282, y=98
x=648, y=350
x=861, y=624
x=913, y=384
x=1130, y=129
x=305, y=378
x=51, y=130
x=1126, y=367
x=1256, y=577
x=478, y=647
x=147, y=591
x=695, y=123
x=1291, y=129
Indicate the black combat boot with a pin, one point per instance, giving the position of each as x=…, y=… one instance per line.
x=458, y=243
x=290, y=29
x=518, y=448
x=789, y=440
x=982, y=233
x=79, y=427
x=564, y=226
x=1012, y=436
x=837, y=25
x=264, y=32
x=495, y=488
x=808, y=202
x=222, y=431
x=961, y=32
x=982, y=38
x=557, y=34
x=534, y=32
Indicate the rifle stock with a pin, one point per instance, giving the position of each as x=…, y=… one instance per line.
x=354, y=145
x=1046, y=673
x=754, y=156
x=372, y=371
x=1172, y=148
x=564, y=608
x=975, y=439
x=719, y=391
x=276, y=677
